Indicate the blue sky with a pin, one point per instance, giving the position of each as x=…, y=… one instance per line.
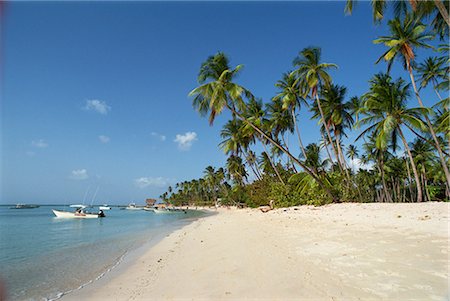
x=94, y=94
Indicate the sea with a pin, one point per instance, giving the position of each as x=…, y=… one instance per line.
x=43, y=257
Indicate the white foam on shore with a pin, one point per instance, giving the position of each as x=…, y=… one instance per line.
x=60, y=295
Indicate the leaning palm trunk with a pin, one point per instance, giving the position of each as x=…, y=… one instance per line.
x=325, y=144
x=327, y=129
x=272, y=163
x=442, y=10
x=430, y=126
x=253, y=169
x=309, y=171
x=413, y=165
x=298, y=133
x=289, y=161
x=338, y=144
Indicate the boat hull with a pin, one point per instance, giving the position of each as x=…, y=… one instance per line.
x=162, y=211
x=66, y=214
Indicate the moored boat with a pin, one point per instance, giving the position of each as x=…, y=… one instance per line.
x=24, y=206
x=132, y=206
x=104, y=207
x=79, y=213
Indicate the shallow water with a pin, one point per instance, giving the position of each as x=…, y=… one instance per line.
x=42, y=256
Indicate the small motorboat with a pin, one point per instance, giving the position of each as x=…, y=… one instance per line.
x=149, y=209
x=79, y=213
x=104, y=207
x=24, y=206
x=132, y=206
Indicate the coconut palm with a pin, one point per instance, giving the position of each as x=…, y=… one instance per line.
x=337, y=114
x=312, y=76
x=405, y=37
x=217, y=92
x=256, y=115
x=437, y=9
x=385, y=107
x=220, y=91
x=279, y=122
x=424, y=157
x=432, y=70
x=352, y=153
x=291, y=100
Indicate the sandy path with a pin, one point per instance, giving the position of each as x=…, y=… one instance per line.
x=337, y=252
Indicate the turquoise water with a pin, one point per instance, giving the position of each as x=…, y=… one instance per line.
x=42, y=256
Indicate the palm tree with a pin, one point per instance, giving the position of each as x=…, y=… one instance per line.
x=291, y=100
x=405, y=36
x=432, y=70
x=424, y=156
x=352, y=152
x=279, y=122
x=312, y=76
x=385, y=107
x=221, y=93
x=379, y=156
x=236, y=169
x=421, y=9
x=337, y=115
x=256, y=115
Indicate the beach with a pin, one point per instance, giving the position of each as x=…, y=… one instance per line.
x=334, y=252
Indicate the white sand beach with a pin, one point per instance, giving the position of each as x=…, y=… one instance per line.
x=334, y=252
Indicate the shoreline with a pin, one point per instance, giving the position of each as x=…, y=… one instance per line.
x=335, y=252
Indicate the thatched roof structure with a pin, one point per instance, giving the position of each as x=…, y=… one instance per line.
x=150, y=202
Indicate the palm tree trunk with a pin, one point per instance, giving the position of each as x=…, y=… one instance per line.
x=289, y=161
x=271, y=163
x=328, y=151
x=433, y=134
x=253, y=170
x=298, y=133
x=409, y=179
x=327, y=129
x=386, y=189
x=338, y=144
x=413, y=165
x=310, y=172
x=443, y=10
x=437, y=92
x=425, y=183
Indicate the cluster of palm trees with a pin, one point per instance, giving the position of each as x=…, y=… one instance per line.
x=399, y=171
x=205, y=191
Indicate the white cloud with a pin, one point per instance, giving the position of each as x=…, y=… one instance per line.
x=158, y=182
x=185, y=141
x=39, y=143
x=79, y=174
x=104, y=139
x=97, y=105
x=159, y=136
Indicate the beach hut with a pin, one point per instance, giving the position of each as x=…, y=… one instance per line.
x=150, y=202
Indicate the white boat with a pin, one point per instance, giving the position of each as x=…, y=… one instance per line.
x=161, y=211
x=104, y=207
x=82, y=214
x=149, y=209
x=132, y=206
x=24, y=206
